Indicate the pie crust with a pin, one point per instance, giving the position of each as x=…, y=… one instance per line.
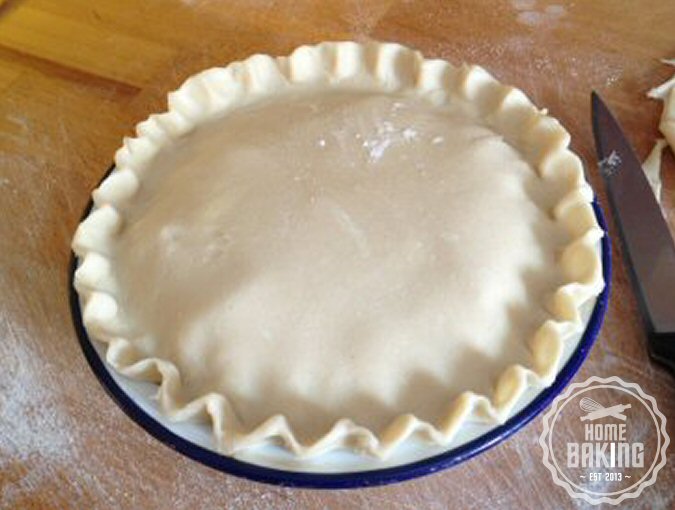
x=340, y=249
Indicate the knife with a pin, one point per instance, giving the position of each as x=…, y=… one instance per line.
x=647, y=243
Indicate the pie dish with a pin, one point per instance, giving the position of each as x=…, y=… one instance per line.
x=339, y=249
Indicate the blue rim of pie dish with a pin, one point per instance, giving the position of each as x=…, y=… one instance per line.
x=355, y=479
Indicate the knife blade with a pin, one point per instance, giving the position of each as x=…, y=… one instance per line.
x=645, y=236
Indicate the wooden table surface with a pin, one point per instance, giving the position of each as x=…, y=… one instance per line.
x=76, y=75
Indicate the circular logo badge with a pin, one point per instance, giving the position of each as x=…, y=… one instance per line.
x=604, y=440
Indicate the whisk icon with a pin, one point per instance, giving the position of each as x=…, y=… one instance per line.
x=596, y=411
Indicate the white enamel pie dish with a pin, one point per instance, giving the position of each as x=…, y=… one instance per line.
x=332, y=177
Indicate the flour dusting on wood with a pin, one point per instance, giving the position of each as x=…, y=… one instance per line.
x=529, y=14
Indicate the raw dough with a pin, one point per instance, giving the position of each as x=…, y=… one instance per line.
x=340, y=248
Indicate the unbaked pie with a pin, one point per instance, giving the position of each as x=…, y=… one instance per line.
x=340, y=249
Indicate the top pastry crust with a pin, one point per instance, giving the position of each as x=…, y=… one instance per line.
x=340, y=248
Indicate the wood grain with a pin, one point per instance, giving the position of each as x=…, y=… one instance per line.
x=76, y=75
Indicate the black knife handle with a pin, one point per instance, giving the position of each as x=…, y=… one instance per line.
x=662, y=349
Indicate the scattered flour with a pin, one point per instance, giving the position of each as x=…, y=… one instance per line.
x=376, y=147
x=31, y=422
x=529, y=14
x=523, y=5
x=555, y=10
x=531, y=18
